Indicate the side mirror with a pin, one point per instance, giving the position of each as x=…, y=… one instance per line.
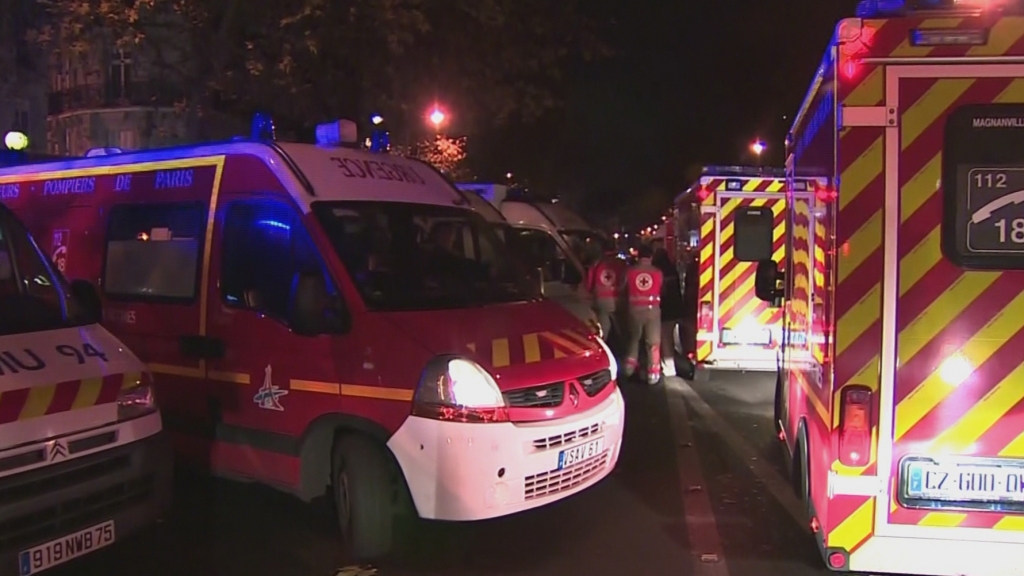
x=766, y=281
x=570, y=274
x=88, y=299
x=312, y=310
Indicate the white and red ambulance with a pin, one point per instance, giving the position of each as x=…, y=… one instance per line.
x=83, y=459
x=335, y=322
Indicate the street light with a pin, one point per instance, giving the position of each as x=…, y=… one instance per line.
x=437, y=117
x=758, y=147
x=377, y=119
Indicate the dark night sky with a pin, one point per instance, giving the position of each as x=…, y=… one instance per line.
x=691, y=82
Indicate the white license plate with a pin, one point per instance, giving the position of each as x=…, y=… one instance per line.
x=66, y=548
x=756, y=337
x=964, y=483
x=580, y=453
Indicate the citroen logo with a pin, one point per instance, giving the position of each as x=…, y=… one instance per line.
x=574, y=395
x=58, y=450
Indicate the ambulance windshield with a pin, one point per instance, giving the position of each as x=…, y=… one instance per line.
x=405, y=256
x=32, y=298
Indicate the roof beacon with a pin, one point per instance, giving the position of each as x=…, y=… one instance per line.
x=340, y=133
x=263, y=127
x=107, y=151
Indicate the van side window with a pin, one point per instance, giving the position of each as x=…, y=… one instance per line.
x=265, y=246
x=754, y=234
x=153, y=251
x=538, y=249
x=32, y=297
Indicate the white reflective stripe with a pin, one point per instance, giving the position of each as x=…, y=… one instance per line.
x=855, y=486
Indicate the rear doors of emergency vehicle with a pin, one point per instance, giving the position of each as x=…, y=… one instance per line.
x=742, y=223
x=952, y=378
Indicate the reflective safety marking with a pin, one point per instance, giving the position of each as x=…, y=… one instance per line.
x=563, y=343
x=88, y=394
x=944, y=519
x=855, y=529
x=232, y=377
x=531, y=348
x=500, y=353
x=354, y=390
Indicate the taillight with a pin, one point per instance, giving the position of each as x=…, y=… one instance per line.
x=705, y=316
x=855, y=426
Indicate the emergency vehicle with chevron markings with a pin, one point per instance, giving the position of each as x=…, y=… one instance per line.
x=903, y=413
x=83, y=458
x=336, y=322
x=733, y=217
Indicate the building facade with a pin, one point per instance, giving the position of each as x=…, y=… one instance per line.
x=110, y=97
x=23, y=85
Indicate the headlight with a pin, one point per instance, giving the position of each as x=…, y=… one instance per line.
x=613, y=365
x=136, y=401
x=459, y=390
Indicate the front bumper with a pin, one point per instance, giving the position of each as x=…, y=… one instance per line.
x=130, y=484
x=458, y=471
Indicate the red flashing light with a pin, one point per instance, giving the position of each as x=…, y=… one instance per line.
x=703, y=192
x=815, y=525
x=836, y=560
x=825, y=193
x=855, y=426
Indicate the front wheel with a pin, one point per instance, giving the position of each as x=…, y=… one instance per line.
x=778, y=405
x=368, y=495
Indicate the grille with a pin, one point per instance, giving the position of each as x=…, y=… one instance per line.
x=595, y=383
x=559, y=439
x=67, y=515
x=555, y=481
x=546, y=396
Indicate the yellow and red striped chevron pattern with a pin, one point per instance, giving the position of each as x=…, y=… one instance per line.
x=706, y=288
x=534, y=347
x=737, y=303
x=943, y=311
x=28, y=403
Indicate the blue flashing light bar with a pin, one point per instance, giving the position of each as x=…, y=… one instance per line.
x=883, y=8
x=756, y=171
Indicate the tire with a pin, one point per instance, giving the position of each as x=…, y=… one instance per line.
x=778, y=406
x=368, y=495
x=802, y=474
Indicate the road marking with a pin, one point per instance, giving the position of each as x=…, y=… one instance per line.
x=701, y=527
x=779, y=487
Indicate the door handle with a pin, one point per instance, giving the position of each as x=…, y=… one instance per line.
x=201, y=347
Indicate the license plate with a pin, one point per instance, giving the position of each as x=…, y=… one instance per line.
x=964, y=483
x=756, y=337
x=66, y=548
x=576, y=454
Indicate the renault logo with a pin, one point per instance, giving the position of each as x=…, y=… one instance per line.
x=574, y=395
x=58, y=450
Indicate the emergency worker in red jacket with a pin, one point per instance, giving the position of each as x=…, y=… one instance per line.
x=643, y=290
x=605, y=281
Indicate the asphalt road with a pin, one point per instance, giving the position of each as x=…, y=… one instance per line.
x=700, y=490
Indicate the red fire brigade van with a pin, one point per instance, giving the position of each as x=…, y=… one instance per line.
x=904, y=411
x=329, y=320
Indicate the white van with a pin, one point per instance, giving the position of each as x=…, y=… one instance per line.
x=564, y=272
x=83, y=458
